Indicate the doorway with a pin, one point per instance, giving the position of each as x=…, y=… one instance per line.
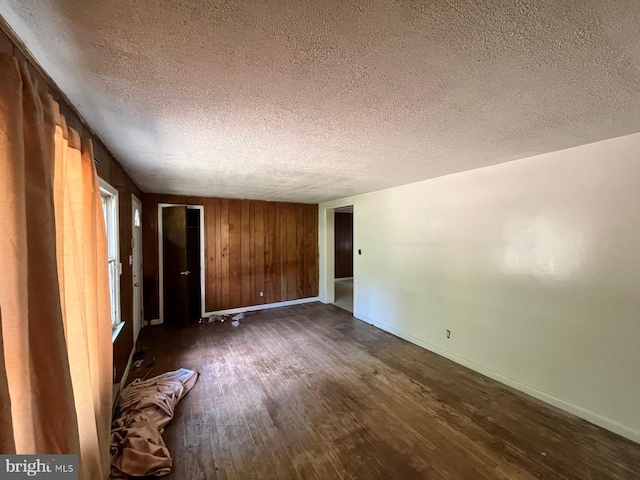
x=181, y=258
x=343, y=258
x=136, y=264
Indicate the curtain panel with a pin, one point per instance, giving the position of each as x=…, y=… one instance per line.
x=55, y=321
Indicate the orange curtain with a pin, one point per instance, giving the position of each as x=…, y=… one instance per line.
x=55, y=335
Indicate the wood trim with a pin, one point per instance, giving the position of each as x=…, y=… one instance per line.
x=267, y=306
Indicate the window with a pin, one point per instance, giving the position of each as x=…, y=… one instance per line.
x=110, y=210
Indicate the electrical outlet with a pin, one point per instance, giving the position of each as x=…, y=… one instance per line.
x=262, y=294
x=448, y=333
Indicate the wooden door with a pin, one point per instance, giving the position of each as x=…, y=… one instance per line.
x=175, y=271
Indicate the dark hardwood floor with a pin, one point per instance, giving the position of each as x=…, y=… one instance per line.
x=310, y=392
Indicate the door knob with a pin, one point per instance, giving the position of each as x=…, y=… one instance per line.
x=136, y=284
x=186, y=272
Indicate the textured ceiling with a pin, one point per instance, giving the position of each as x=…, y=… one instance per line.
x=311, y=101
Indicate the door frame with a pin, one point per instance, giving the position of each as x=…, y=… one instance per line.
x=135, y=201
x=161, y=255
x=326, y=231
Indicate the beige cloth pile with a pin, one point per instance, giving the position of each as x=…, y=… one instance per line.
x=137, y=447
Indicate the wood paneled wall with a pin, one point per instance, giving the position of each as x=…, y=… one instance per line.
x=250, y=247
x=110, y=170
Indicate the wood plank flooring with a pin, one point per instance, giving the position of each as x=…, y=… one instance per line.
x=310, y=392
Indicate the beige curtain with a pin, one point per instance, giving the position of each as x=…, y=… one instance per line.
x=55, y=335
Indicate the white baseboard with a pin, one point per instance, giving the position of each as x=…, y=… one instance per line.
x=545, y=397
x=117, y=387
x=125, y=374
x=262, y=307
x=229, y=311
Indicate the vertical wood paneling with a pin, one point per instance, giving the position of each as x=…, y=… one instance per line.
x=103, y=167
x=282, y=250
x=259, y=237
x=291, y=252
x=252, y=253
x=235, y=252
x=299, y=263
x=245, y=253
x=276, y=275
x=214, y=232
x=211, y=253
x=268, y=247
x=305, y=248
x=225, y=296
x=150, y=256
x=250, y=247
x=272, y=270
x=313, y=253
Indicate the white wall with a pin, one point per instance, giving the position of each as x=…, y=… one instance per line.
x=534, y=266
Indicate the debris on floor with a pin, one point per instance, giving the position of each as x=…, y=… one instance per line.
x=214, y=319
x=138, y=359
x=235, y=320
x=208, y=320
x=146, y=407
x=150, y=366
x=139, y=363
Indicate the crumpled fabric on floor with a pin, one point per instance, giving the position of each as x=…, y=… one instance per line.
x=137, y=447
